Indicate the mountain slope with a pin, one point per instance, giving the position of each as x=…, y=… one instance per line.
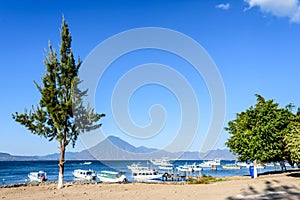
x=8, y=157
x=114, y=148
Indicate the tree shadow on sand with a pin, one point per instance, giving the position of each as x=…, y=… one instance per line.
x=273, y=189
x=295, y=175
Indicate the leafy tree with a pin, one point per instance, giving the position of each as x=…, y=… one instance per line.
x=61, y=113
x=292, y=140
x=257, y=134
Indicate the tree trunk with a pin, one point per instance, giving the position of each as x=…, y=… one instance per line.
x=283, y=167
x=292, y=163
x=255, y=168
x=61, y=165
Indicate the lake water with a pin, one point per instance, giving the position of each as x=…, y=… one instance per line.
x=12, y=172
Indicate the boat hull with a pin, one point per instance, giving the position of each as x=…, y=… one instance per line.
x=87, y=175
x=147, y=178
x=112, y=177
x=37, y=176
x=111, y=180
x=231, y=167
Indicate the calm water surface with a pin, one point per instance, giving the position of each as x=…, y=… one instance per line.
x=12, y=172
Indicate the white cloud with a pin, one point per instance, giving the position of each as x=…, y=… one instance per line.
x=280, y=8
x=223, y=6
x=296, y=16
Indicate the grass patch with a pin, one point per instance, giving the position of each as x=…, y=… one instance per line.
x=206, y=179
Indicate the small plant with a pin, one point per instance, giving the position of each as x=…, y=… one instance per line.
x=205, y=179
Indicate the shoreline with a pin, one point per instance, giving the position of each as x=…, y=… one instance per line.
x=272, y=186
x=226, y=178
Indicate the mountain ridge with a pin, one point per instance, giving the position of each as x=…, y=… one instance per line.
x=114, y=148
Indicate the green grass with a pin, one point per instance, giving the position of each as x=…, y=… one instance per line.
x=206, y=179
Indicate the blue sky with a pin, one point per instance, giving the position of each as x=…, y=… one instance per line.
x=254, y=44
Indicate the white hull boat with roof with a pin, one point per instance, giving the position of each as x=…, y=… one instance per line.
x=144, y=174
x=112, y=177
x=210, y=163
x=37, y=176
x=166, y=168
x=260, y=166
x=163, y=164
x=190, y=168
x=231, y=166
x=270, y=164
x=137, y=167
x=84, y=174
x=242, y=164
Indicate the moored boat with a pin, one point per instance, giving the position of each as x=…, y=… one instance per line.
x=144, y=174
x=136, y=166
x=163, y=164
x=270, y=164
x=87, y=163
x=210, y=163
x=260, y=166
x=242, y=164
x=231, y=166
x=84, y=174
x=166, y=167
x=190, y=168
x=112, y=177
x=37, y=176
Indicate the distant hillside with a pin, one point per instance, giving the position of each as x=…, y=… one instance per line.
x=223, y=154
x=8, y=157
x=55, y=156
x=114, y=148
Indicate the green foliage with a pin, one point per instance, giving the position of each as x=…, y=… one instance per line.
x=60, y=114
x=205, y=179
x=258, y=132
x=292, y=140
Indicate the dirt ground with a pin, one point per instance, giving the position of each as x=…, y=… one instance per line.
x=275, y=186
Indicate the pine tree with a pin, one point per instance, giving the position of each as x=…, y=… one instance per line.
x=61, y=113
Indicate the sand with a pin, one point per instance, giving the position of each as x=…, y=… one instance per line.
x=275, y=186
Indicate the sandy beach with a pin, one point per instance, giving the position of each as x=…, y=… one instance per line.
x=275, y=186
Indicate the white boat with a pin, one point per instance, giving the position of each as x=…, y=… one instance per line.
x=163, y=164
x=137, y=167
x=231, y=166
x=37, y=176
x=210, y=163
x=190, y=168
x=242, y=164
x=84, y=174
x=166, y=168
x=260, y=166
x=270, y=164
x=87, y=163
x=144, y=174
x=112, y=177
x=289, y=165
